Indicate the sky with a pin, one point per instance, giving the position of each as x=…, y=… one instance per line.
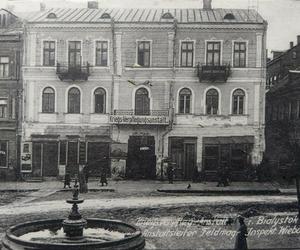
x=283, y=16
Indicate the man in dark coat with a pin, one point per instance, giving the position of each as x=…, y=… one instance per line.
x=103, y=179
x=241, y=237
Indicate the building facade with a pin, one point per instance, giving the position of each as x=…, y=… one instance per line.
x=283, y=107
x=124, y=89
x=10, y=93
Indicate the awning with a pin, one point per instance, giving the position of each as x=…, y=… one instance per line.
x=229, y=140
x=44, y=137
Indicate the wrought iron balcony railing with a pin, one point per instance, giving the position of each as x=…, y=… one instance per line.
x=142, y=112
x=73, y=73
x=213, y=73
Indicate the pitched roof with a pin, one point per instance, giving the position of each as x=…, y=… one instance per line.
x=146, y=15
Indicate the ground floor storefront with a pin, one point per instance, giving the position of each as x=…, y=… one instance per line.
x=9, y=161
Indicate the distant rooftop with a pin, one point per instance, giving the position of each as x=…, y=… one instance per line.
x=146, y=15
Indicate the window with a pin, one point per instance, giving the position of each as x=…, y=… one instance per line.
x=238, y=99
x=100, y=99
x=51, y=15
x=187, y=54
x=4, y=66
x=144, y=53
x=142, y=102
x=48, y=100
x=294, y=54
x=239, y=54
x=167, y=15
x=101, y=53
x=3, y=153
x=185, y=101
x=74, y=101
x=105, y=16
x=229, y=16
x=74, y=54
x=49, y=53
x=213, y=53
x=212, y=102
x=3, y=108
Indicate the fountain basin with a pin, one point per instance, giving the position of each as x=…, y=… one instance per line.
x=48, y=234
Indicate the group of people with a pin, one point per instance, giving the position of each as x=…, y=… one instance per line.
x=83, y=177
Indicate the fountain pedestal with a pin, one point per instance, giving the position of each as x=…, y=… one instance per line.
x=73, y=226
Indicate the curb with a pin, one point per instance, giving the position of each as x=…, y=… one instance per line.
x=221, y=192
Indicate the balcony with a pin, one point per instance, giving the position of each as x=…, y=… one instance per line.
x=213, y=73
x=134, y=117
x=73, y=73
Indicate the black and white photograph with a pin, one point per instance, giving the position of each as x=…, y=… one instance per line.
x=149, y=124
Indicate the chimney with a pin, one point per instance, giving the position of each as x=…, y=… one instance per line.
x=42, y=6
x=93, y=4
x=207, y=4
x=298, y=39
x=291, y=45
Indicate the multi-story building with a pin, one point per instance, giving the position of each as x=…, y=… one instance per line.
x=283, y=106
x=127, y=88
x=10, y=93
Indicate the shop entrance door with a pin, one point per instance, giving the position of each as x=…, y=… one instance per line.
x=72, y=164
x=141, y=159
x=50, y=159
x=183, y=154
x=98, y=158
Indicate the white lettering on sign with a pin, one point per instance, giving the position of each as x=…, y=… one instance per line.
x=144, y=148
x=155, y=120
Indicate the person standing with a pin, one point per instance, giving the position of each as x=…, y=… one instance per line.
x=170, y=172
x=67, y=181
x=241, y=237
x=103, y=179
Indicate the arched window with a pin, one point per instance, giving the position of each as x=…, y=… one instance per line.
x=167, y=15
x=212, y=102
x=100, y=99
x=185, y=96
x=238, y=100
x=105, y=16
x=142, y=102
x=74, y=101
x=48, y=100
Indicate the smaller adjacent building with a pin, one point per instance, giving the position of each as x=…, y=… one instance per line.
x=283, y=107
x=10, y=93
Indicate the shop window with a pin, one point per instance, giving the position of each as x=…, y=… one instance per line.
x=238, y=101
x=48, y=53
x=101, y=53
x=74, y=101
x=185, y=96
x=212, y=102
x=4, y=66
x=142, y=102
x=3, y=154
x=3, y=108
x=100, y=100
x=213, y=53
x=187, y=54
x=239, y=54
x=143, y=54
x=48, y=98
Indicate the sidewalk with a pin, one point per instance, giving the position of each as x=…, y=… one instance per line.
x=129, y=186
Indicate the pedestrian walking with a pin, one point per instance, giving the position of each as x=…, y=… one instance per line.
x=67, y=181
x=241, y=237
x=103, y=179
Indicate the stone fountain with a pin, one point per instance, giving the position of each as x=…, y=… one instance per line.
x=73, y=233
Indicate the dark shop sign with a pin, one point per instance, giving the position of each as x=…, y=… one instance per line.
x=148, y=120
